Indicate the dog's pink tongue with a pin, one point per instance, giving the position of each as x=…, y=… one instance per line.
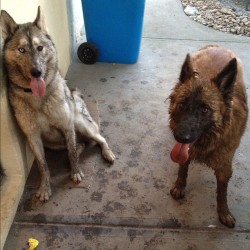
x=38, y=86
x=179, y=153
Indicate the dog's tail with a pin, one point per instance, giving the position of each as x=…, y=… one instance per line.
x=76, y=92
x=80, y=106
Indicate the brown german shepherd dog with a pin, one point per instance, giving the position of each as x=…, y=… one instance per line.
x=208, y=115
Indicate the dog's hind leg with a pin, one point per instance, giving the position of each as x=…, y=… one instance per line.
x=178, y=190
x=106, y=151
x=224, y=213
x=91, y=132
x=86, y=126
x=44, y=191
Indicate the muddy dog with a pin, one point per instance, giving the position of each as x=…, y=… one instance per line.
x=208, y=115
x=49, y=114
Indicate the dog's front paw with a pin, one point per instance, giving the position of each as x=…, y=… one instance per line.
x=177, y=192
x=77, y=177
x=108, y=155
x=227, y=219
x=43, y=193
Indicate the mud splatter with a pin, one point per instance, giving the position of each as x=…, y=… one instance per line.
x=159, y=184
x=90, y=232
x=126, y=190
x=169, y=223
x=153, y=243
x=131, y=234
x=39, y=218
x=131, y=142
x=104, y=124
x=116, y=174
x=112, y=109
x=27, y=205
x=154, y=112
x=108, y=207
x=103, y=80
x=98, y=218
x=143, y=209
x=96, y=196
x=137, y=178
x=135, y=153
x=133, y=164
x=53, y=238
x=127, y=109
x=119, y=206
x=157, y=144
x=126, y=81
x=32, y=204
x=191, y=247
x=112, y=206
x=103, y=179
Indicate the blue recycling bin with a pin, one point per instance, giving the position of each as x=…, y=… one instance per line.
x=114, y=27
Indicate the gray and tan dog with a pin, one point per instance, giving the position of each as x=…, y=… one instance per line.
x=49, y=114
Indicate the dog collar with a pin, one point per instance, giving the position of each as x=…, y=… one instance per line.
x=26, y=90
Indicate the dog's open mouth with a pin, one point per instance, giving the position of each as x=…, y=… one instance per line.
x=180, y=153
x=38, y=86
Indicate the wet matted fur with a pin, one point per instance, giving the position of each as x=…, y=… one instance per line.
x=208, y=115
x=46, y=110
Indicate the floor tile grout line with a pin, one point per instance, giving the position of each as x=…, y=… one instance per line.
x=138, y=227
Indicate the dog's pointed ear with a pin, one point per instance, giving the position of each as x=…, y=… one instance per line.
x=39, y=21
x=8, y=25
x=226, y=78
x=187, y=70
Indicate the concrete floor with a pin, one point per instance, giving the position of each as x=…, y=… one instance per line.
x=128, y=205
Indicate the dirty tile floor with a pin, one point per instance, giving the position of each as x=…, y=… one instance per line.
x=127, y=205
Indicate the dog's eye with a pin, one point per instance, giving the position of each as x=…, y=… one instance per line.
x=21, y=50
x=40, y=48
x=204, y=109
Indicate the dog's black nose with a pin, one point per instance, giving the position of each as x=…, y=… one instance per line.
x=36, y=72
x=183, y=137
